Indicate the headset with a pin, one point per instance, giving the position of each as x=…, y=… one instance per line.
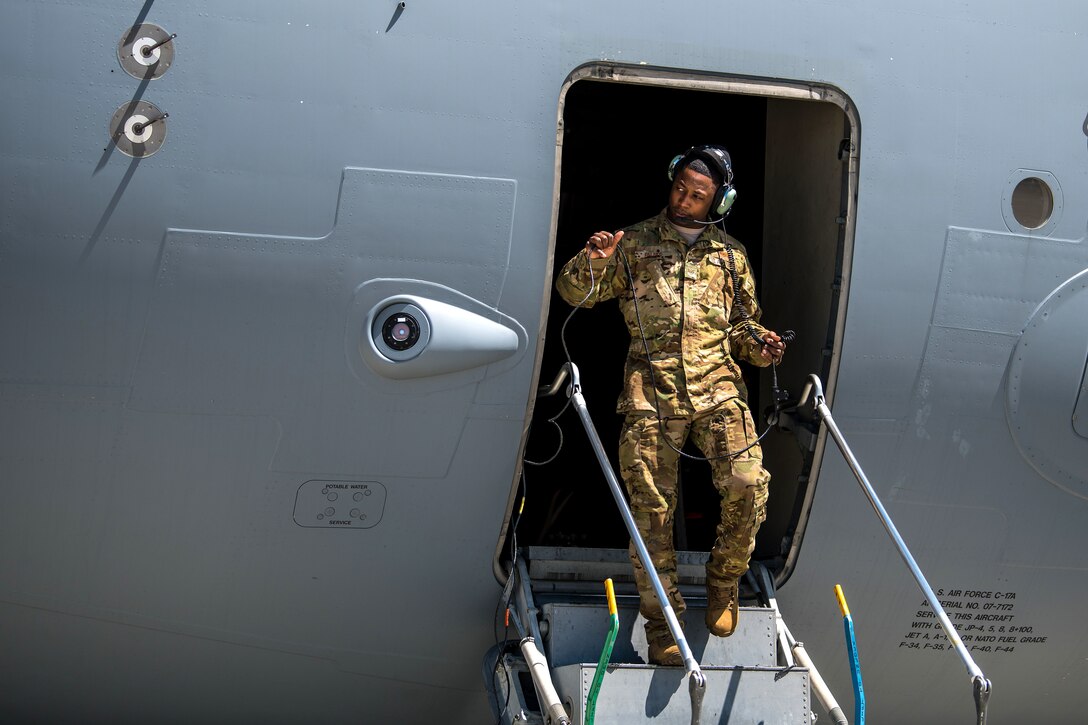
x=718, y=159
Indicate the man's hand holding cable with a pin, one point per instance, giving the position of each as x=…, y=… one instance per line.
x=602, y=244
x=773, y=347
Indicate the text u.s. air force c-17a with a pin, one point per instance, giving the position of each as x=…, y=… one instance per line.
x=277, y=300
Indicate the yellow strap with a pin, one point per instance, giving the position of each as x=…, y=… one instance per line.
x=842, y=601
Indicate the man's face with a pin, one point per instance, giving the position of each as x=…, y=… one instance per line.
x=690, y=197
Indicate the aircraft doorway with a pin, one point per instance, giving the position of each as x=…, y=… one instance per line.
x=792, y=161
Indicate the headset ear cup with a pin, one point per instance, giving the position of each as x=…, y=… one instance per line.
x=672, y=165
x=716, y=202
x=728, y=197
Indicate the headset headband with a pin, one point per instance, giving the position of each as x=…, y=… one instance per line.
x=715, y=157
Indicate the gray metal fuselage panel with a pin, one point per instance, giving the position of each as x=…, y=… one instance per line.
x=176, y=339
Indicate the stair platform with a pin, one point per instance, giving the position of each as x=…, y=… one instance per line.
x=744, y=682
x=642, y=693
x=576, y=633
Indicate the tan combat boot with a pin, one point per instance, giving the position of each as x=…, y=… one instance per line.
x=722, y=609
x=665, y=652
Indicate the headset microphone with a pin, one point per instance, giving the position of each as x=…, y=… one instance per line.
x=689, y=220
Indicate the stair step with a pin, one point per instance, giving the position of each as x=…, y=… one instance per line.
x=637, y=693
x=576, y=634
x=559, y=568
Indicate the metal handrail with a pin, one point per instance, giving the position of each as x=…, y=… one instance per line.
x=697, y=681
x=539, y=670
x=813, y=394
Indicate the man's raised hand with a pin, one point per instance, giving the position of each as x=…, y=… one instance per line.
x=602, y=244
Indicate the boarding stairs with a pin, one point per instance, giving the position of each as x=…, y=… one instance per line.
x=746, y=678
x=556, y=673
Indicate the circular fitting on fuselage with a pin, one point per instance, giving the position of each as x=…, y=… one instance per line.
x=145, y=51
x=1046, y=388
x=1032, y=203
x=401, y=331
x=138, y=129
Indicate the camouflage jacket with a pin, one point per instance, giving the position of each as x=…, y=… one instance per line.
x=685, y=301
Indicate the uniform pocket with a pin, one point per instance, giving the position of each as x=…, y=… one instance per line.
x=735, y=424
x=639, y=446
x=652, y=284
x=713, y=279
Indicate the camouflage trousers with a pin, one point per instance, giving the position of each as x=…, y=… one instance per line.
x=648, y=466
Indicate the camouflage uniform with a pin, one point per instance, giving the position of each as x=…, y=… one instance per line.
x=685, y=301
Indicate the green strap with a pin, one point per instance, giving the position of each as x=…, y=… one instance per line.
x=602, y=665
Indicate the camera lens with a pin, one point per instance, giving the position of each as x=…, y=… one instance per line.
x=400, y=331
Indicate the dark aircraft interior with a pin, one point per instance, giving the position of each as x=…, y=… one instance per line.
x=617, y=142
